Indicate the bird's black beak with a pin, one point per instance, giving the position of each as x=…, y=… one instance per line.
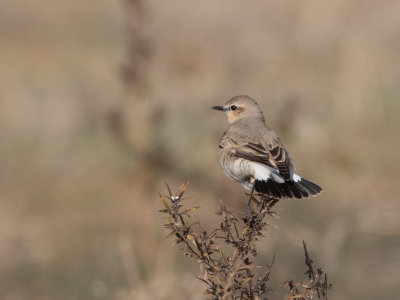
x=218, y=108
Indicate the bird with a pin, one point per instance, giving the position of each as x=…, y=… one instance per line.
x=252, y=154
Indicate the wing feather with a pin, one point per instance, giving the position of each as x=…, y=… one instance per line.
x=282, y=161
x=274, y=155
x=254, y=152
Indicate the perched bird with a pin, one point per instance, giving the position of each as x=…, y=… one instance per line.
x=252, y=154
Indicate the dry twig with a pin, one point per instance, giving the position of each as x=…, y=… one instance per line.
x=317, y=283
x=226, y=254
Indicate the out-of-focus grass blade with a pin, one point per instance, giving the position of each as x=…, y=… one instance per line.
x=164, y=202
x=190, y=209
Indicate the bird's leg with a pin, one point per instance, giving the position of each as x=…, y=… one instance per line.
x=251, y=196
x=247, y=211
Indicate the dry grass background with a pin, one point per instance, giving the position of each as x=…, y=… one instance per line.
x=85, y=150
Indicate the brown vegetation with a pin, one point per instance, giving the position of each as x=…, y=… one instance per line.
x=226, y=254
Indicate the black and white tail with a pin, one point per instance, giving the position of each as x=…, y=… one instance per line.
x=288, y=189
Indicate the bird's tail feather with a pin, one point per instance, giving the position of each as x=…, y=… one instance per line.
x=289, y=189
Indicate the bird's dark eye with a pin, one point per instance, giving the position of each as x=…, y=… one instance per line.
x=233, y=107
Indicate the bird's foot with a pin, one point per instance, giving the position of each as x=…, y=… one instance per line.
x=248, y=214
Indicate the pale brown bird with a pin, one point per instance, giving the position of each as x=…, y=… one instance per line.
x=252, y=154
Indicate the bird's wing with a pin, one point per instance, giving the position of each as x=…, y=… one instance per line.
x=252, y=151
x=271, y=154
x=280, y=158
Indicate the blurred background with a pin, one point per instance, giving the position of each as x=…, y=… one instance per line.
x=101, y=102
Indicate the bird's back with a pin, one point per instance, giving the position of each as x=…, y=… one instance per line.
x=253, y=130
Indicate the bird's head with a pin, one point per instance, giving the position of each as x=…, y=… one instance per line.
x=239, y=107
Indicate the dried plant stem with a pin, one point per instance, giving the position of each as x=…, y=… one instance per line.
x=226, y=254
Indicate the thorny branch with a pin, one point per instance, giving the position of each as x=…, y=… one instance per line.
x=318, y=282
x=226, y=254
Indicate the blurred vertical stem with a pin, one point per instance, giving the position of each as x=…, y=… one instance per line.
x=134, y=71
x=130, y=121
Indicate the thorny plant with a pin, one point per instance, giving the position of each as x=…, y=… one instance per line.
x=226, y=254
x=318, y=282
